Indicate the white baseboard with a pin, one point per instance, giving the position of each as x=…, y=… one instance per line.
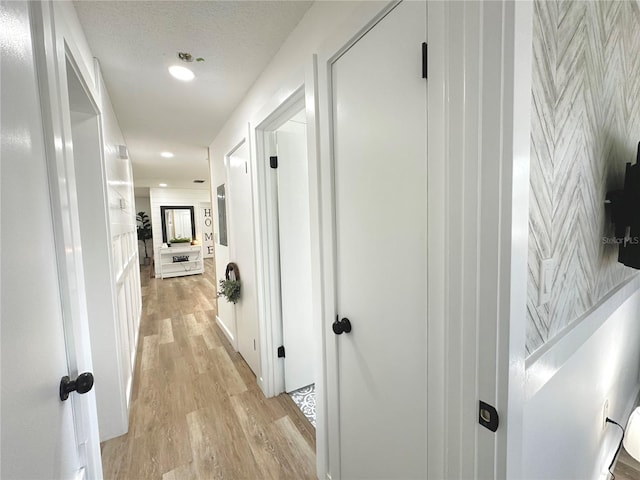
x=226, y=332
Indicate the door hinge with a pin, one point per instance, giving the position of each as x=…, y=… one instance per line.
x=281, y=351
x=273, y=162
x=424, y=59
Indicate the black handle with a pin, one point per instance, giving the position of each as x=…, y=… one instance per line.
x=82, y=384
x=341, y=326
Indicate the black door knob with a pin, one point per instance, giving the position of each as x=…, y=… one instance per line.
x=341, y=326
x=82, y=384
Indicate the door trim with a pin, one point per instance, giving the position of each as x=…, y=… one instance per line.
x=267, y=240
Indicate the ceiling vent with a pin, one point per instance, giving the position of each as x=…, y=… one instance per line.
x=188, y=58
x=198, y=181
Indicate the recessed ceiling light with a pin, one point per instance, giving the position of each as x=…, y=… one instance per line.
x=162, y=184
x=181, y=73
x=166, y=154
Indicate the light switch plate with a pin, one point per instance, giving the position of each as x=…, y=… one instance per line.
x=545, y=282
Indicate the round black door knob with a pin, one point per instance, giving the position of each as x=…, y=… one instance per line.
x=341, y=326
x=82, y=384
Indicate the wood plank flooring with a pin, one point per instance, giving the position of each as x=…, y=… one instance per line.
x=196, y=410
x=627, y=467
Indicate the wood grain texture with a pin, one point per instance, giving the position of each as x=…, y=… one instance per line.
x=627, y=467
x=585, y=126
x=196, y=410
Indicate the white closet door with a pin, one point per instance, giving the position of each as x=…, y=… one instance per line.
x=295, y=255
x=379, y=145
x=242, y=253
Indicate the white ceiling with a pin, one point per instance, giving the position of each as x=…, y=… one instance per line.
x=136, y=41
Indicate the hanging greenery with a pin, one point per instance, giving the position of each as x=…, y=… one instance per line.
x=230, y=289
x=230, y=286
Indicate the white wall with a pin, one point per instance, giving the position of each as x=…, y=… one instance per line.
x=143, y=204
x=585, y=342
x=169, y=197
x=568, y=384
x=293, y=56
x=585, y=126
x=125, y=257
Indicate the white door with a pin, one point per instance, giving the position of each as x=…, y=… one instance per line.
x=42, y=437
x=242, y=253
x=294, y=233
x=380, y=133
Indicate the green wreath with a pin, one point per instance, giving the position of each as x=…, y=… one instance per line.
x=230, y=287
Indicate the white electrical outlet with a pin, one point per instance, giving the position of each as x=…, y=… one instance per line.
x=605, y=413
x=545, y=282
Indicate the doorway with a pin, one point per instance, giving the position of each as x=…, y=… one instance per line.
x=284, y=150
x=290, y=177
x=113, y=337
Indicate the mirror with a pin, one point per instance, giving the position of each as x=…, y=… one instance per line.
x=178, y=223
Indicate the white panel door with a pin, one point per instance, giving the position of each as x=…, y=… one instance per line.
x=380, y=139
x=41, y=437
x=242, y=253
x=295, y=255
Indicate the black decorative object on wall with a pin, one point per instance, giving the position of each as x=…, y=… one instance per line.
x=625, y=214
x=170, y=237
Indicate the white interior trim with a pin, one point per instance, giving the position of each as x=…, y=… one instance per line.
x=518, y=61
x=227, y=333
x=277, y=111
x=544, y=363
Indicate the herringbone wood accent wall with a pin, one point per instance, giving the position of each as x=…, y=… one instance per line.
x=585, y=127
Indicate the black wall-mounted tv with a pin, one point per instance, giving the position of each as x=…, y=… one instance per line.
x=625, y=207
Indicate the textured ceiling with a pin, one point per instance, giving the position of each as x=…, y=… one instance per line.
x=136, y=41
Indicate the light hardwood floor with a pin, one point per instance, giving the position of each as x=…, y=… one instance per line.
x=196, y=410
x=627, y=467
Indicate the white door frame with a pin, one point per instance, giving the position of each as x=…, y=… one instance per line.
x=478, y=173
x=51, y=50
x=268, y=267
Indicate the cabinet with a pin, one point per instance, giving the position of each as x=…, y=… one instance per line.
x=170, y=268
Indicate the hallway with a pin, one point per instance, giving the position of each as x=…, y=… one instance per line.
x=197, y=411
